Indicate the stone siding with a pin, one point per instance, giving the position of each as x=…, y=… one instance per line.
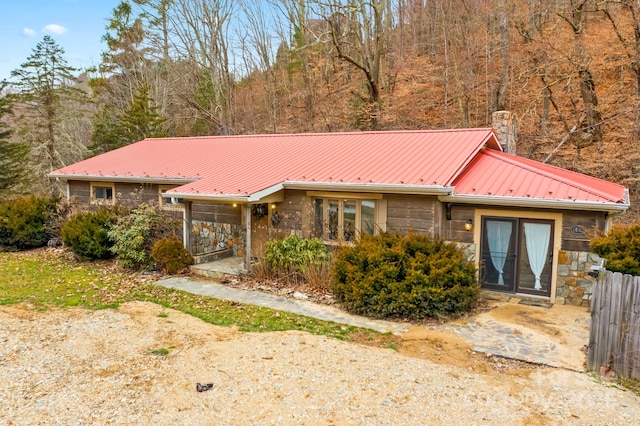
x=574, y=285
x=468, y=249
x=208, y=237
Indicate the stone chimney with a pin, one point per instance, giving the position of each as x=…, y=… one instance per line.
x=506, y=129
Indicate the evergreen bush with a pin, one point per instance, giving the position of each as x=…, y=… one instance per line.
x=135, y=234
x=170, y=255
x=412, y=276
x=23, y=222
x=87, y=234
x=621, y=248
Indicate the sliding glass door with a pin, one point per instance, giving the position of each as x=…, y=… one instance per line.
x=517, y=255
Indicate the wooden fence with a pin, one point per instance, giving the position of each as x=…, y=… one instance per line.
x=614, y=337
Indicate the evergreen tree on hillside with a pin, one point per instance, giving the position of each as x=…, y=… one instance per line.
x=48, y=99
x=12, y=155
x=139, y=121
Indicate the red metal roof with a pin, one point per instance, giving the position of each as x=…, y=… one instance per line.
x=498, y=174
x=233, y=165
x=248, y=167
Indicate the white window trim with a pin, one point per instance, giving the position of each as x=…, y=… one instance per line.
x=102, y=201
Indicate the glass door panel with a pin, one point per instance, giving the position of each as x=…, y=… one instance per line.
x=535, y=257
x=499, y=237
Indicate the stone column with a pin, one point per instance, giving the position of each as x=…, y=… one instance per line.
x=506, y=129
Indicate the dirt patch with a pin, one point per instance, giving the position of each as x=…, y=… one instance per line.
x=445, y=348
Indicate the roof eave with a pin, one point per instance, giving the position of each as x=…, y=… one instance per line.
x=315, y=186
x=537, y=203
x=221, y=198
x=370, y=187
x=136, y=179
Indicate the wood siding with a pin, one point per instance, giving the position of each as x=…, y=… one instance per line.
x=217, y=213
x=422, y=214
x=454, y=227
x=415, y=213
x=291, y=210
x=589, y=222
x=81, y=190
x=133, y=194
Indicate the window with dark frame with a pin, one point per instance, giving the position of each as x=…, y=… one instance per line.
x=102, y=193
x=343, y=219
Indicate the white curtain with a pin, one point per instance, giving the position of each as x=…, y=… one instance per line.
x=537, y=238
x=498, y=236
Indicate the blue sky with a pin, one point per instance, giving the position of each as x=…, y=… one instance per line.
x=76, y=25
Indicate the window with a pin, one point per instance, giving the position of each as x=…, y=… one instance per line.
x=344, y=219
x=102, y=193
x=167, y=202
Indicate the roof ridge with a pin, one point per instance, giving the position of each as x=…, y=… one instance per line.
x=469, y=159
x=511, y=159
x=369, y=132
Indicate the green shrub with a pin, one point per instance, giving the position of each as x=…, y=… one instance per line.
x=135, y=234
x=23, y=222
x=621, y=248
x=412, y=276
x=171, y=255
x=294, y=253
x=87, y=234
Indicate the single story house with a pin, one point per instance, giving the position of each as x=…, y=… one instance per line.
x=524, y=223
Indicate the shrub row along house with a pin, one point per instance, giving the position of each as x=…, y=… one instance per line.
x=521, y=221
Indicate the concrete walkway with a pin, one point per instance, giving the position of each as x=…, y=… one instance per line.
x=300, y=307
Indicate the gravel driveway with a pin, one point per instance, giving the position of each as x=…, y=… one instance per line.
x=73, y=366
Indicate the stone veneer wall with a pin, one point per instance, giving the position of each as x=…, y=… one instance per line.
x=208, y=237
x=574, y=286
x=469, y=250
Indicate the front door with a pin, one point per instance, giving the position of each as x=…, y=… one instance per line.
x=259, y=230
x=517, y=255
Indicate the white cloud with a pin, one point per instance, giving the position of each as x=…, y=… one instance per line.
x=28, y=32
x=54, y=29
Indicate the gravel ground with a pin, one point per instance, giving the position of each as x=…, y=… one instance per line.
x=77, y=367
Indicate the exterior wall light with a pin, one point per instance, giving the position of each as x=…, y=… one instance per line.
x=468, y=225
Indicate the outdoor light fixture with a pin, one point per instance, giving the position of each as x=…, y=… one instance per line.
x=468, y=225
x=235, y=205
x=273, y=206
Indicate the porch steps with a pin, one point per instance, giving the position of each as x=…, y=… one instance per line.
x=220, y=268
x=212, y=256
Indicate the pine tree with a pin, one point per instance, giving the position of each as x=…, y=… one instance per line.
x=139, y=121
x=12, y=155
x=45, y=89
